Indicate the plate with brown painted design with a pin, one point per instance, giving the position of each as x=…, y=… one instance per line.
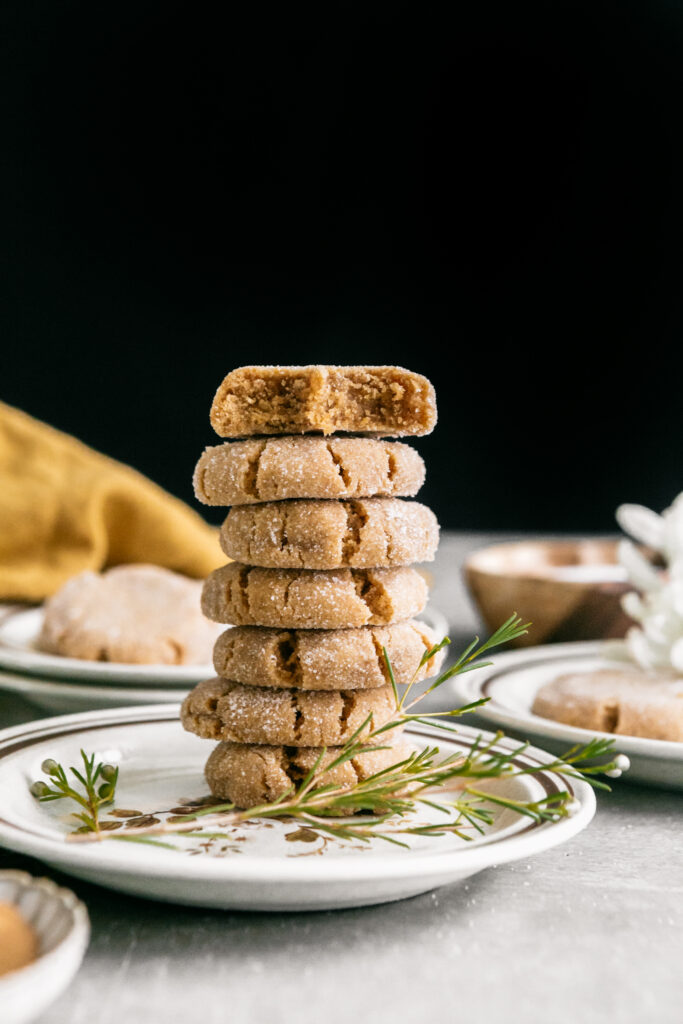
x=260, y=865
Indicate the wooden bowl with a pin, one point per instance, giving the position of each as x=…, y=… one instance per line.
x=567, y=589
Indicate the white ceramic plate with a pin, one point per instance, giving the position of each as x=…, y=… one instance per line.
x=19, y=654
x=262, y=866
x=61, y=923
x=512, y=682
x=59, y=696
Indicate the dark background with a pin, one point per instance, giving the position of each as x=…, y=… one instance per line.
x=491, y=196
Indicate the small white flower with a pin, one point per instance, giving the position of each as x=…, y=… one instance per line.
x=633, y=606
x=658, y=642
x=641, y=573
x=676, y=656
x=621, y=765
x=672, y=541
x=641, y=523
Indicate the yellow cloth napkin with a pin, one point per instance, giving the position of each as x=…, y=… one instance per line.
x=65, y=508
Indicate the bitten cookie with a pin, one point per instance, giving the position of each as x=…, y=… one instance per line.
x=278, y=468
x=621, y=701
x=384, y=400
x=251, y=775
x=364, y=533
x=220, y=709
x=319, y=659
x=306, y=599
x=140, y=614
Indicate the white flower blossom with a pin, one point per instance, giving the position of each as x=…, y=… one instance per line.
x=657, y=642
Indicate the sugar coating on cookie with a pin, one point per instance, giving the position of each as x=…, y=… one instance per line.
x=278, y=468
x=138, y=614
x=309, y=534
x=307, y=599
x=248, y=775
x=220, y=709
x=319, y=659
x=625, y=702
x=379, y=400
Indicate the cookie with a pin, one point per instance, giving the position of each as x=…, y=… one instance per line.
x=319, y=659
x=249, y=775
x=278, y=468
x=220, y=709
x=384, y=400
x=363, y=533
x=621, y=701
x=307, y=599
x=140, y=614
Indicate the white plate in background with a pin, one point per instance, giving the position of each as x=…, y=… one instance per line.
x=19, y=633
x=511, y=684
x=60, y=697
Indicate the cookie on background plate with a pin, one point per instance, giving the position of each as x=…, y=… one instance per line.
x=376, y=400
x=625, y=702
x=278, y=468
x=136, y=614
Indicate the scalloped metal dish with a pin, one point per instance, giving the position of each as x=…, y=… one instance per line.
x=63, y=928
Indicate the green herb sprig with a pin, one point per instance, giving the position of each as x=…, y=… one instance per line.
x=98, y=782
x=389, y=796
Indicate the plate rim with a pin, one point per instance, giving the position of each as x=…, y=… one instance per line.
x=24, y=685
x=532, y=840
x=470, y=687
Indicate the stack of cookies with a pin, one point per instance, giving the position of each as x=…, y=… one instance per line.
x=320, y=581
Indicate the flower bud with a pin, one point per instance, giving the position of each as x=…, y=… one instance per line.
x=50, y=766
x=106, y=791
x=109, y=772
x=39, y=789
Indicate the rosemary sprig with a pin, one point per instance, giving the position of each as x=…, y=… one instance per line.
x=94, y=795
x=389, y=796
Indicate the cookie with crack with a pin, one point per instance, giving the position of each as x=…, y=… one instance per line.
x=304, y=534
x=248, y=775
x=307, y=599
x=220, y=709
x=319, y=659
x=379, y=400
x=625, y=702
x=279, y=468
x=137, y=614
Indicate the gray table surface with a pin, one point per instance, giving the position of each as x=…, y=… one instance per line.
x=589, y=931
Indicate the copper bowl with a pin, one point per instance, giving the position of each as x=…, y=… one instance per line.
x=567, y=589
